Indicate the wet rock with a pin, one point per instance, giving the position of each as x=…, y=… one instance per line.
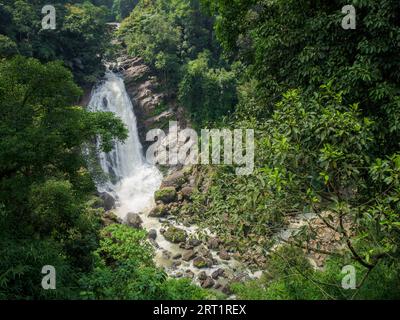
x=241, y=277
x=202, y=276
x=134, y=220
x=108, y=201
x=188, y=255
x=162, y=230
x=185, y=246
x=194, y=242
x=159, y=211
x=205, y=252
x=187, y=192
x=200, y=262
x=177, y=179
x=224, y=255
x=175, y=235
x=217, y=273
x=152, y=234
x=176, y=264
x=228, y=274
x=208, y=283
x=109, y=218
x=213, y=243
x=217, y=286
x=179, y=275
x=177, y=256
x=166, y=254
x=166, y=195
x=189, y=274
x=226, y=289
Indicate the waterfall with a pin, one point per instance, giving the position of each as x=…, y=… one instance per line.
x=131, y=179
x=133, y=182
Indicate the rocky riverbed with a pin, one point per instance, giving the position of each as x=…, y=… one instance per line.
x=182, y=249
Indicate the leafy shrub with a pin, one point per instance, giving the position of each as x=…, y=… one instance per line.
x=125, y=270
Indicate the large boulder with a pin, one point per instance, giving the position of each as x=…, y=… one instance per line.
x=152, y=234
x=159, y=211
x=188, y=255
x=175, y=235
x=207, y=283
x=202, y=276
x=213, y=243
x=189, y=274
x=218, y=273
x=200, y=263
x=108, y=201
x=202, y=250
x=187, y=192
x=177, y=179
x=109, y=218
x=193, y=242
x=134, y=220
x=166, y=195
x=224, y=255
x=226, y=289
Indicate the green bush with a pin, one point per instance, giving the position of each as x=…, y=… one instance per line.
x=125, y=270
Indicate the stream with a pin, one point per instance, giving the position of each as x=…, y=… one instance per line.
x=133, y=182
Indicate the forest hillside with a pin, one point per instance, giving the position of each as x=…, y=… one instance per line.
x=322, y=99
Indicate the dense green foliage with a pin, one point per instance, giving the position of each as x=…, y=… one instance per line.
x=118, y=9
x=207, y=93
x=324, y=103
x=48, y=209
x=331, y=149
x=44, y=185
x=290, y=276
x=125, y=270
x=176, y=38
x=80, y=37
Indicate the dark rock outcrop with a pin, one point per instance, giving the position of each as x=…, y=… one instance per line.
x=134, y=220
x=108, y=201
x=166, y=195
x=175, y=235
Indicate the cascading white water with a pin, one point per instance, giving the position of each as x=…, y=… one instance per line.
x=132, y=179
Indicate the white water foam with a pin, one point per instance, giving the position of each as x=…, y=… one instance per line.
x=133, y=180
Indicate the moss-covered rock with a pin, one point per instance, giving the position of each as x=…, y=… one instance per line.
x=166, y=195
x=177, y=179
x=159, y=212
x=95, y=203
x=109, y=218
x=175, y=235
x=134, y=220
x=200, y=263
x=109, y=201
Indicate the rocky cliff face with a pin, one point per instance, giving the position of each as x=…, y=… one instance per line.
x=153, y=108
